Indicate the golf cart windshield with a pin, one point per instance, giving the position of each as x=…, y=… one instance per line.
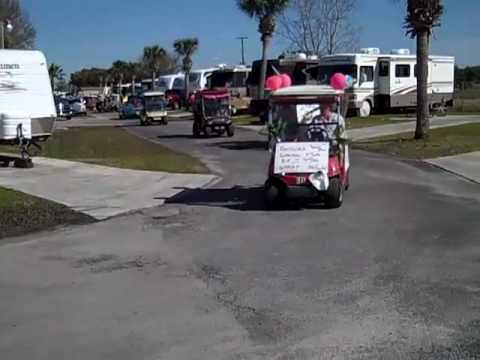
x=218, y=107
x=296, y=120
x=154, y=102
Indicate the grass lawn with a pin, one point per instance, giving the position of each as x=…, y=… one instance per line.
x=246, y=119
x=21, y=213
x=374, y=120
x=442, y=142
x=117, y=148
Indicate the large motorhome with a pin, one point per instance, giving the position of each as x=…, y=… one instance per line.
x=233, y=78
x=294, y=65
x=387, y=81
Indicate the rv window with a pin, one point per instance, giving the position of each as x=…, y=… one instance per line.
x=402, y=71
x=366, y=74
x=179, y=83
x=384, y=69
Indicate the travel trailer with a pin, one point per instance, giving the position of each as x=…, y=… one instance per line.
x=27, y=107
x=198, y=79
x=166, y=82
x=294, y=65
x=387, y=81
x=234, y=78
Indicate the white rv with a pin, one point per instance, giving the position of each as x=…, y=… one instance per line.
x=387, y=81
x=27, y=107
x=198, y=79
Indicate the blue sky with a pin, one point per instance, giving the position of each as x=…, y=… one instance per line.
x=89, y=33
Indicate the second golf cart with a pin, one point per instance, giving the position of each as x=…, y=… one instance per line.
x=212, y=113
x=154, y=108
x=310, y=155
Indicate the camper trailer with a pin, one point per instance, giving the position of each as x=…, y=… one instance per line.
x=234, y=78
x=27, y=107
x=198, y=79
x=383, y=82
x=294, y=65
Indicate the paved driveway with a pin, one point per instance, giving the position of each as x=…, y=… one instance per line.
x=393, y=274
x=98, y=191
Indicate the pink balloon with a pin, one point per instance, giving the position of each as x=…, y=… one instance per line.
x=286, y=80
x=339, y=81
x=274, y=82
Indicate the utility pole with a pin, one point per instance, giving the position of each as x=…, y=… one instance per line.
x=242, y=39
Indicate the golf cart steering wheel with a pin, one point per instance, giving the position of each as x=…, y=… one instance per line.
x=317, y=133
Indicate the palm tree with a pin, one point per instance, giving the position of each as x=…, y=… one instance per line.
x=422, y=17
x=266, y=12
x=185, y=48
x=154, y=59
x=56, y=74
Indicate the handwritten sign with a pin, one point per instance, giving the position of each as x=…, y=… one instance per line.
x=301, y=157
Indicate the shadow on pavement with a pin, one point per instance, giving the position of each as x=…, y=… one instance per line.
x=176, y=136
x=235, y=198
x=241, y=145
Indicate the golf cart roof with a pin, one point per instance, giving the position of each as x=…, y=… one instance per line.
x=154, y=93
x=215, y=94
x=307, y=91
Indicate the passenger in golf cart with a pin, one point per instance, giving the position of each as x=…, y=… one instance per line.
x=154, y=108
x=310, y=156
x=212, y=113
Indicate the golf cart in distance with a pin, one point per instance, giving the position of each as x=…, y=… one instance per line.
x=154, y=108
x=310, y=155
x=212, y=113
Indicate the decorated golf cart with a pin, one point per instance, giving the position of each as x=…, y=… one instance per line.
x=310, y=155
x=212, y=113
x=154, y=108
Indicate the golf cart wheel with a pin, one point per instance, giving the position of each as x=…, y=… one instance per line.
x=274, y=195
x=4, y=164
x=207, y=130
x=334, y=196
x=23, y=163
x=164, y=120
x=175, y=106
x=230, y=130
x=142, y=121
x=196, y=129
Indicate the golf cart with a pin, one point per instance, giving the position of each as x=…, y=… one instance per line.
x=154, y=108
x=212, y=113
x=310, y=155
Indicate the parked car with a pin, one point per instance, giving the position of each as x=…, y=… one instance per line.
x=78, y=106
x=64, y=110
x=132, y=108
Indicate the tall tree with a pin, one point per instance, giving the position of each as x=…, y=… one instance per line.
x=422, y=17
x=23, y=34
x=319, y=27
x=56, y=73
x=266, y=12
x=155, y=59
x=186, y=48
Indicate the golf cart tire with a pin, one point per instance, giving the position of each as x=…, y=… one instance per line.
x=164, y=121
x=23, y=163
x=196, y=130
x=334, y=195
x=274, y=195
x=207, y=131
x=230, y=130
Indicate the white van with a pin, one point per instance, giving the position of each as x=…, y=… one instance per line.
x=27, y=107
x=387, y=81
x=166, y=82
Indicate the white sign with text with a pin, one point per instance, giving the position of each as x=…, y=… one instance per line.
x=301, y=157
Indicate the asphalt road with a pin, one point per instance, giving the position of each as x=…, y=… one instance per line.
x=393, y=274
